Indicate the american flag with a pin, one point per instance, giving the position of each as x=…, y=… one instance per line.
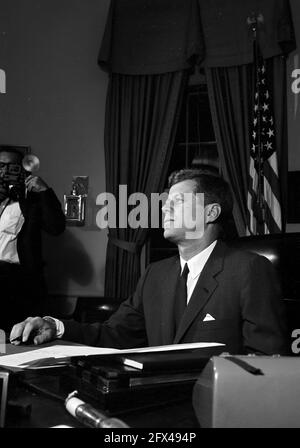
x=264, y=210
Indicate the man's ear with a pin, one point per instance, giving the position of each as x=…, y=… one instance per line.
x=213, y=211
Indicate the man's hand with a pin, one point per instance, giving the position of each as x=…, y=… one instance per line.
x=35, y=184
x=41, y=330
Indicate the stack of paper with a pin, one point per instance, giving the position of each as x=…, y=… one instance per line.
x=59, y=354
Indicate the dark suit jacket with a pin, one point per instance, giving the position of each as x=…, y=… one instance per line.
x=239, y=289
x=42, y=212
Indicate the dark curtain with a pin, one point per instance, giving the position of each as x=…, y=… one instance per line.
x=145, y=37
x=147, y=48
x=141, y=119
x=277, y=67
x=229, y=102
x=228, y=37
x=231, y=95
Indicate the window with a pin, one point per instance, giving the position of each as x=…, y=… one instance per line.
x=195, y=145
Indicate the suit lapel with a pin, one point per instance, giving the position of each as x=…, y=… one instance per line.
x=168, y=298
x=204, y=288
x=23, y=206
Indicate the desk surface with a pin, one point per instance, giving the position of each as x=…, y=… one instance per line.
x=41, y=390
x=47, y=412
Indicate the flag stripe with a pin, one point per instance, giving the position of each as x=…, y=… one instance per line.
x=272, y=180
x=273, y=205
x=273, y=162
x=270, y=222
x=263, y=201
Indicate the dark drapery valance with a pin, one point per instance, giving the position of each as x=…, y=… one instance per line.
x=160, y=36
x=151, y=36
x=228, y=37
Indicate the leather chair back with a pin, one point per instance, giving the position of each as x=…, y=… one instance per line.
x=283, y=250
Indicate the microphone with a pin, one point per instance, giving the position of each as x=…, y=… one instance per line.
x=90, y=416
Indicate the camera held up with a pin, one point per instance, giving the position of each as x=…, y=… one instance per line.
x=13, y=179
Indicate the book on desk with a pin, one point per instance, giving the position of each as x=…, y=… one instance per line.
x=113, y=371
x=143, y=367
x=166, y=360
x=116, y=386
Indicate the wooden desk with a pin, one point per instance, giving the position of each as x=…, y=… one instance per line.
x=41, y=390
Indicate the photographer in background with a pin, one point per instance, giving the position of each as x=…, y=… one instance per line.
x=27, y=206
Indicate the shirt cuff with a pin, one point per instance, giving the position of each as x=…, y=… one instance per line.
x=60, y=328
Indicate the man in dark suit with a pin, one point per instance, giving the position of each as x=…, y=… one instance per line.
x=27, y=206
x=230, y=296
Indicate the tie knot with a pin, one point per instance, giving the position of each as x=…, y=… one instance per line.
x=185, y=272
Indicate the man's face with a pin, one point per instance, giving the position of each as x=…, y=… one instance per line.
x=9, y=161
x=183, y=213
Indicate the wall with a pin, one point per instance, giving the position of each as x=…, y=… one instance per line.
x=55, y=102
x=293, y=98
x=293, y=64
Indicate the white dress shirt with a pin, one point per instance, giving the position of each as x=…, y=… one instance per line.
x=11, y=222
x=196, y=265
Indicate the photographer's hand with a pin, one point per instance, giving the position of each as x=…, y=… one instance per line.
x=35, y=184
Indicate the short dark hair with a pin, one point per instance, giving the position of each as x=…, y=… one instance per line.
x=11, y=149
x=214, y=187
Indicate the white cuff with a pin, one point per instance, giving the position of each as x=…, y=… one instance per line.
x=60, y=328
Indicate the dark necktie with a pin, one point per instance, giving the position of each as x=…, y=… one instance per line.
x=181, y=295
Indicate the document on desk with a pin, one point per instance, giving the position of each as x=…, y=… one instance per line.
x=163, y=348
x=57, y=355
